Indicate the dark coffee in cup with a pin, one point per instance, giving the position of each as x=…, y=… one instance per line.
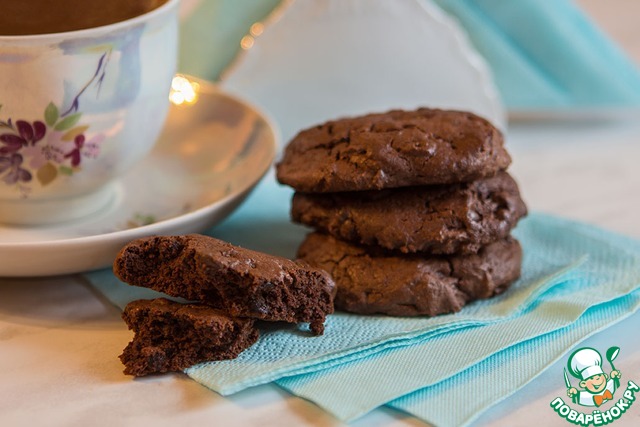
x=24, y=17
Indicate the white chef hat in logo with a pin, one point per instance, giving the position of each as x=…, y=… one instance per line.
x=585, y=363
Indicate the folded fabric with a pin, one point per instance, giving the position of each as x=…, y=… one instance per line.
x=612, y=271
x=518, y=365
x=547, y=54
x=349, y=391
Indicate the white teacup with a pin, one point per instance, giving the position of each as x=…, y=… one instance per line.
x=78, y=109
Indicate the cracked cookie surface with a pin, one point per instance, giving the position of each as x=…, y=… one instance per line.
x=444, y=219
x=374, y=281
x=393, y=149
x=242, y=282
x=170, y=336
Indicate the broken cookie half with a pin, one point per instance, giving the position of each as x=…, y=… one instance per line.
x=229, y=287
x=241, y=282
x=170, y=336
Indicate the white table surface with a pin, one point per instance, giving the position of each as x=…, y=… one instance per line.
x=59, y=341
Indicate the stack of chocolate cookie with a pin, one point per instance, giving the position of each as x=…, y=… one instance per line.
x=232, y=287
x=413, y=209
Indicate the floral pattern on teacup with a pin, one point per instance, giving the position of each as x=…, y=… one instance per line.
x=54, y=145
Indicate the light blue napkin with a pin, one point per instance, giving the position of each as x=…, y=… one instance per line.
x=441, y=404
x=543, y=54
x=349, y=337
x=547, y=54
x=613, y=270
x=350, y=391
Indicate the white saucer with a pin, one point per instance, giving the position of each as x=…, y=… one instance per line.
x=211, y=153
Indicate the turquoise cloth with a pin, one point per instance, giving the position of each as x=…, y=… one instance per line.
x=441, y=405
x=440, y=366
x=543, y=54
x=407, y=369
x=547, y=54
x=611, y=272
x=568, y=267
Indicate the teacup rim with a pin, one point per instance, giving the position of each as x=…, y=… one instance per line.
x=164, y=8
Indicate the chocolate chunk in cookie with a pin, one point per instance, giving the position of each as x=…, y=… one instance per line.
x=374, y=281
x=171, y=337
x=443, y=219
x=393, y=149
x=242, y=282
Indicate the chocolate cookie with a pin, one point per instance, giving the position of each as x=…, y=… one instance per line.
x=242, y=282
x=171, y=337
x=393, y=149
x=436, y=219
x=374, y=281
